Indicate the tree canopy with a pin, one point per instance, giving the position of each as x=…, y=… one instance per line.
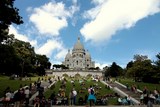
x=114, y=70
x=141, y=68
x=8, y=15
x=17, y=57
x=20, y=58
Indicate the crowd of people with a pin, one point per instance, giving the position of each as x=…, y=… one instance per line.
x=16, y=99
x=150, y=96
x=125, y=100
x=75, y=97
x=146, y=96
x=20, y=97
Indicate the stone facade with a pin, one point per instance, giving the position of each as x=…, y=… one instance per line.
x=73, y=73
x=79, y=58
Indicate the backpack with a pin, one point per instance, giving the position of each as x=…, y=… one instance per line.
x=92, y=91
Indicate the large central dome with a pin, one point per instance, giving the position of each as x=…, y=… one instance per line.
x=78, y=45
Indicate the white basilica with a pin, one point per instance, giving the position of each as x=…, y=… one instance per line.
x=79, y=58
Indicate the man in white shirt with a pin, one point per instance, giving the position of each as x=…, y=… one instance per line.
x=74, y=96
x=27, y=92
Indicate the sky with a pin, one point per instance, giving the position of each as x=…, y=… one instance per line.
x=111, y=30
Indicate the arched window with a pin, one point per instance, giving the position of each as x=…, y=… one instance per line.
x=77, y=62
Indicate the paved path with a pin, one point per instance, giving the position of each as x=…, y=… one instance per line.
x=125, y=90
x=43, y=84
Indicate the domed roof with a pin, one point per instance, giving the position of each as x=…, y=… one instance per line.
x=78, y=45
x=88, y=54
x=68, y=55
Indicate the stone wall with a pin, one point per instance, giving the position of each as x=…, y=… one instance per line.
x=72, y=72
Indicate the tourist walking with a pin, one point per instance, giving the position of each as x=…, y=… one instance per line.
x=71, y=97
x=22, y=97
x=91, y=97
x=17, y=99
x=74, y=96
x=27, y=93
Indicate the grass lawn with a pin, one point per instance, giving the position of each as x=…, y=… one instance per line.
x=13, y=84
x=82, y=90
x=140, y=85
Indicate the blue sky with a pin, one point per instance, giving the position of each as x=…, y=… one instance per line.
x=111, y=30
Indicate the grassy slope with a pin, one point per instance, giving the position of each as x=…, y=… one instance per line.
x=13, y=84
x=140, y=85
x=88, y=82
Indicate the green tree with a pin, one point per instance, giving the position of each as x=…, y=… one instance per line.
x=138, y=57
x=8, y=15
x=157, y=67
x=114, y=70
x=42, y=63
x=30, y=62
x=63, y=67
x=55, y=66
x=129, y=65
x=142, y=69
x=27, y=55
x=9, y=60
x=158, y=60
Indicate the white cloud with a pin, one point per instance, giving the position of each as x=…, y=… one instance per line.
x=49, y=19
x=33, y=42
x=22, y=37
x=13, y=30
x=48, y=47
x=114, y=15
x=102, y=65
x=19, y=36
x=61, y=54
x=74, y=1
x=97, y=2
x=74, y=8
x=52, y=17
x=92, y=13
x=51, y=47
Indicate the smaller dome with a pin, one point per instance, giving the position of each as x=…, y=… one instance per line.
x=68, y=55
x=88, y=55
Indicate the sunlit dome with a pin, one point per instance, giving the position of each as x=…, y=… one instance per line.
x=78, y=45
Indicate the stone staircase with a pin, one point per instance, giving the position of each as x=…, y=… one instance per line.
x=135, y=95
